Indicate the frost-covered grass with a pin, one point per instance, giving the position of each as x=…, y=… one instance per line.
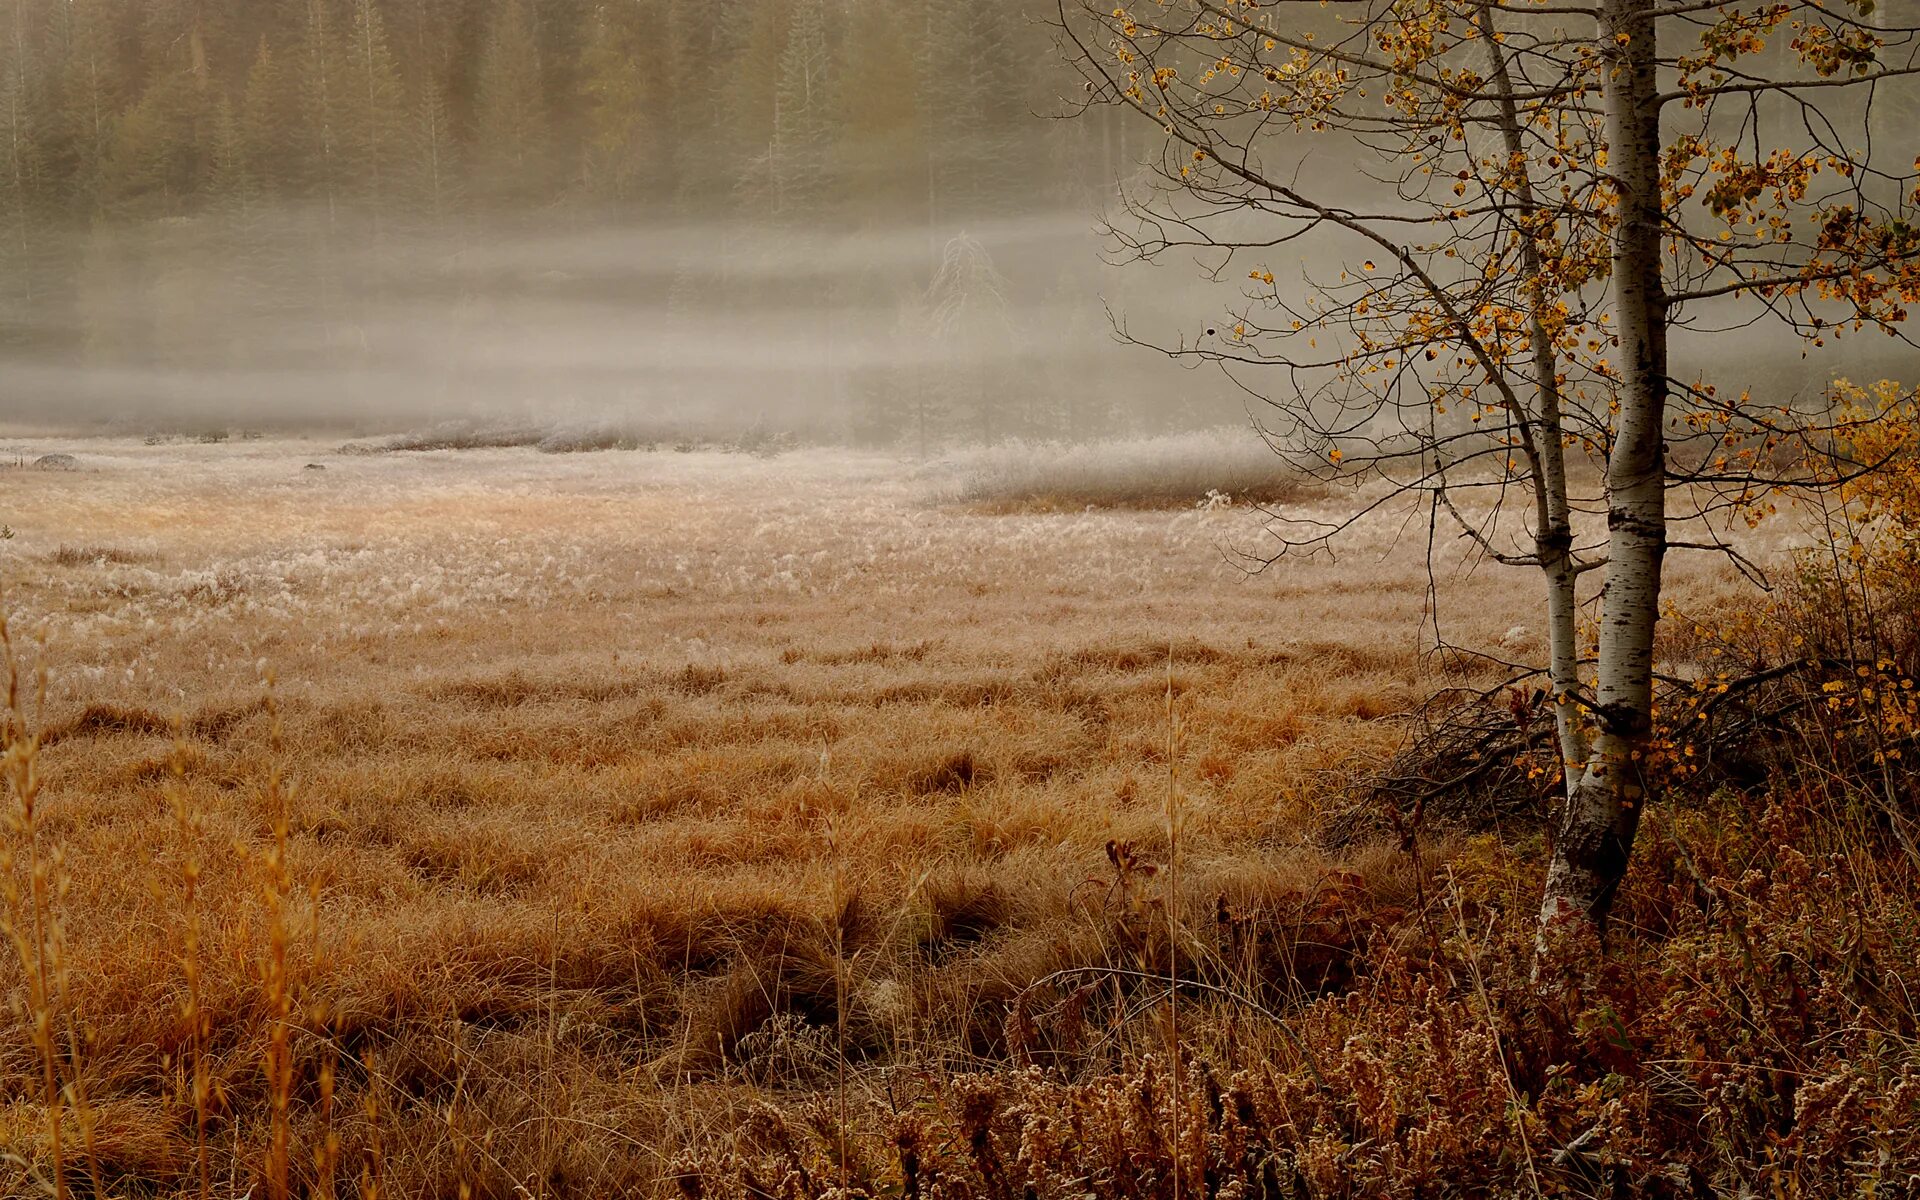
x=455, y=435
x=1173, y=471
x=680, y=431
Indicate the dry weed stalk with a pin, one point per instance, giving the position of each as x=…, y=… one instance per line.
x=31, y=924
x=1176, y=741
x=190, y=825
x=277, y=979
x=326, y=1155
x=456, y=1132
x=837, y=916
x=1515, y=1104
x=372, y=1170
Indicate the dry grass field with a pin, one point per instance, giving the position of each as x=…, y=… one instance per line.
x=624, y=790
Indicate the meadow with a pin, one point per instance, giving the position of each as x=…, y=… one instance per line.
x=494, y=823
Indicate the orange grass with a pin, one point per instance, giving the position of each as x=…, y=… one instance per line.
x=603, y=794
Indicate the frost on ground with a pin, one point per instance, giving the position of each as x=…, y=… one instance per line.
x=148, y=557
x=579, y=743
x=1175, y=470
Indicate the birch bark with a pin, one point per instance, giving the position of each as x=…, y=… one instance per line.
x=1553, y=515
x=1594, y=837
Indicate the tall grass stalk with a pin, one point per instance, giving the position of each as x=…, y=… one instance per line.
x=1176, y=739
x=838, y=917
x=277, y=981
x=327, y=1154
x=29, y=912
x=372, y=1171
x=1516, y=1104
x=551, y=1050
x=189, y=825
x=455, y=1131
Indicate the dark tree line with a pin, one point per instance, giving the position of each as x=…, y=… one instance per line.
x=797, y=108
x=212, y=185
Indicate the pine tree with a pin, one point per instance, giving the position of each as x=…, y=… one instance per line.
x=374, y=117
x=230, y=181
x=967, y=317
x=691, y=105
x=161, y=156
x=433, y=181
x=19, y=177
x=744, y=137
x=273, y=131
x=801, y=119
x=973, y=82
x=878, y=144
x=89, y=103
x=510, y=123
x=620, y=118
x=322, y=88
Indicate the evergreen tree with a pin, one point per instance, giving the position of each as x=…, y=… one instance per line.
x=691, y=106
x=510, y=125
x=230, y=182
x=746, y=132
x=432, y=181
x=89, y=102
x=620, y=119
x=273, y=131
x=19, y=180
x=322, y=87
x=878, y=147
x=801, y=120
x=374, y=117
x=966, y=317
x=161, y=157
x=973, y=81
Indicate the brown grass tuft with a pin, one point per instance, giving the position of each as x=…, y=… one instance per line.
x=946, y=773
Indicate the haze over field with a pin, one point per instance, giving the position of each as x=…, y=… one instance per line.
x=853, y=221
x=381, y=214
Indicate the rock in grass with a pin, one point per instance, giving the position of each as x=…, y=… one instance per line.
x=56, y=462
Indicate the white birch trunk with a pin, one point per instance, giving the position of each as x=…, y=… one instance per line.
x=1553, y=514
x=1594, y=836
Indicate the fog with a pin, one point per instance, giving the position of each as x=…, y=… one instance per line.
x=710, y=327
x=726, y=322
x=841, y=221
x=833, y=219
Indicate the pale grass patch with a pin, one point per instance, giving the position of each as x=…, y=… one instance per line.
x=1208, y=469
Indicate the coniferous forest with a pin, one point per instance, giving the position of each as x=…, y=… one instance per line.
x=437, y=200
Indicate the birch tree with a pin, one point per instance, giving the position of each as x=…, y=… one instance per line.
x=1465, y=231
